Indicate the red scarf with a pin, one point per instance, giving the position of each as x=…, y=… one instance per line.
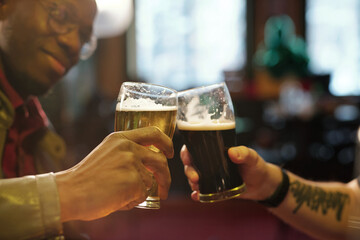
x=18, y=158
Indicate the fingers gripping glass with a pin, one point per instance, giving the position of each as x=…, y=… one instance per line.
x=61, y=22
x=141, y=105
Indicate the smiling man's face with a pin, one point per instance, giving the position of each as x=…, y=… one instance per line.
x=40, y=40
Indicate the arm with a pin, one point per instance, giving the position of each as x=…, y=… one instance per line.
x=320, y=209
x=114, y=176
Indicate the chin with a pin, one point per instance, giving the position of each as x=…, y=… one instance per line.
x=35, y=88
x=42, y=92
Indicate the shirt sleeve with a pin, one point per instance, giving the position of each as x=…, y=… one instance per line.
x=30, y=208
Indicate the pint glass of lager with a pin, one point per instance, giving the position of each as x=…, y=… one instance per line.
x=142, y=105
x=207, y=123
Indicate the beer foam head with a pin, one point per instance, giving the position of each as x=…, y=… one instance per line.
x=195, y=111
x=142, y=104
x=220, y=124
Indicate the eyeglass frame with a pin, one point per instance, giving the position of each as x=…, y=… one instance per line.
x=65, y=26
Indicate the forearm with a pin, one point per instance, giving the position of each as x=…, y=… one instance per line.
x=319, y=209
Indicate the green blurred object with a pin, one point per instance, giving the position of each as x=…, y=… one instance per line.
x=282, y=52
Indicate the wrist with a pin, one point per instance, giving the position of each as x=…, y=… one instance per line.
x=280, y=192
x=63, y=190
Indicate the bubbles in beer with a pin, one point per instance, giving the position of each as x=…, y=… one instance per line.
x=138, y=113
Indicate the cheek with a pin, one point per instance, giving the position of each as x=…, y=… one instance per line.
x=23, y=30
x=6, y=38
x=20, y=56
x=15, y=43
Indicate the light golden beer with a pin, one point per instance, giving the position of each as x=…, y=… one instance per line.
x=131, y=118
x=142, y=105
x=165, y=120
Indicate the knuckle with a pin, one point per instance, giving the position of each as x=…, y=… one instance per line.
x=253, y=156
x=127, y=160
x=163, y=165
x=246, y=152
x=252, y=153
x=156, y=131
x=113, y=135
x=133, y=177
x=131, y=158
x=108, y=137
x=127, y=145
x=163, y=161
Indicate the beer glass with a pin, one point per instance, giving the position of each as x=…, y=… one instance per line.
x=207, y=123
x=141, y=105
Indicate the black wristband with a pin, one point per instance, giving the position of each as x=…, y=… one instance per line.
x=280, y=193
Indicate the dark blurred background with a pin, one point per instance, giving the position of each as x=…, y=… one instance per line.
x=292, y=68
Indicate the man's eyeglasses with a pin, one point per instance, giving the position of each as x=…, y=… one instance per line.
x=61, y=22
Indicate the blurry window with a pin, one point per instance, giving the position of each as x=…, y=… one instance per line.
x=188, y=43
x=333, y=39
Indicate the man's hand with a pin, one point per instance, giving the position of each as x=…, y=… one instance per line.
x=261, y=178
x=115, y=175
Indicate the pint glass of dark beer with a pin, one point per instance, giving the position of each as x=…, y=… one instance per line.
x=142, y=105
x=207, y=123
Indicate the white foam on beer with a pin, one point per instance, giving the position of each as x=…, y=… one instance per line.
x=210, y=125
x=143, y=104
x=198, y=118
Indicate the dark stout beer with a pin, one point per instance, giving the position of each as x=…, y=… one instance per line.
x=208, y=145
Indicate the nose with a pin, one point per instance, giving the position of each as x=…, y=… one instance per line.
x=70, y=42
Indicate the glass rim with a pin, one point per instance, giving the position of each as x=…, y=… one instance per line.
x=204, y=87
x=186, y=97
x=169, y=93
x=148, y=84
